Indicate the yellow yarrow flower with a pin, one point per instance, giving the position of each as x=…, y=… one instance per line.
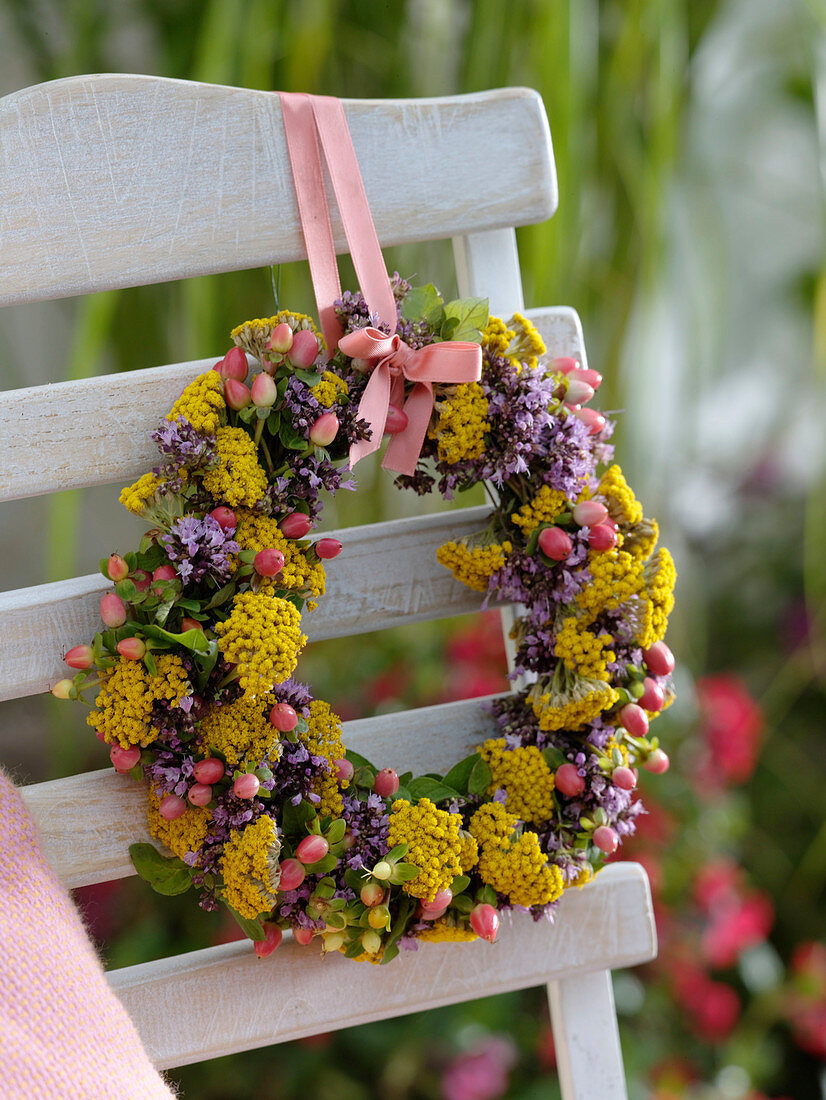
x=492, y=825
x=569, y=701
x=544, y=508
x=622, y=505
x=446, y=930
x=124, y=702
x=183, y=835
x=434, y=844
x=496, y=336
x=250, y=869
x=582, y=651
x=262, y=636
x=641, y=539
x=468, y=851
x=237, y=478
x=526, y=345
x=660, y=576
x=202, y=403
x=323, y=738
x=253, y=336
x=525, y=777
x=241, y=731
x=471, y=565
x=462, y=424
x=330, y=389
x=136, y=497
x=259, y=532
x=616, y=576
x=521, y=872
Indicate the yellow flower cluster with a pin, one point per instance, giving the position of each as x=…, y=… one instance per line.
x=241, y=731
x=616, y=576
x=544, y=508
x=525, y=777
x=641, y=539
x=249, y=868
x=434, y=845
x=526, y=345
x=328, y=391
x=323, y=738
x=496, y=336
x=462, y=424
x=253, y=336
x=260, y=532
x=237, y=478
x=185, y=834
x=556, y=712
x=660, y=576
x=446, y=930
x=202, y=403
x=136, y=496
x=516, y=867
x=468, y=851
x=582, y=651
x=622, y=505
x=473, y=566
x=262, y=636
x=124, y=702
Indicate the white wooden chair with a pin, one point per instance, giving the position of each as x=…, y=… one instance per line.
x=114, y=184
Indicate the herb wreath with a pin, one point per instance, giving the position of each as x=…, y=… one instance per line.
x=249, y=784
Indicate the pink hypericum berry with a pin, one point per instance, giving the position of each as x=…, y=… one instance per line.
x=292, y=874
x=379, y=916
x=606, y=839
x=344, y=769
x=188, y=623
x=265, y=947
x=657, y=762
x=224, y=517
x=281, y=340
x=283, y=717
x=372, y=894
x=327, y=549
x=634, y=719
x=396, y=421
x=578, y=393
x=62, y=688
x=588, y=513
x=653, y=696
x=209, y=771
x=659, y=659
x=80, y=656
x=554, y=542
x=430, y=914
x=237, y=395
x=303, y=936
x=387, y=783
x=117, y=568
x=124, y=759
x=234, y=366
x=312, y=848
x=141, y=580
x=484, y=920
x=113, y=610
x=268, y=562
x=623, y=778
x=246, y=785
x=591, y=378
x=568, y=780
x=172, y=807
x=565, y=364
x=199, y=794
x=304, y=349
x=264, y=391
x=162, y=573
x=133, y=649
x=593, y=420
x=295, y=526
x=442, y=899
x=602, y=537
x=324, y=430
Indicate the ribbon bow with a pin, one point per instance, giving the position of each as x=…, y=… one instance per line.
x=392, y=361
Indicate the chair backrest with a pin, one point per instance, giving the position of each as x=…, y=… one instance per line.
x=120, y=181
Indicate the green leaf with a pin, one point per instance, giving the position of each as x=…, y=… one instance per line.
x=425, y=787
x=149, y=663
x=291, y=439
x=322, y=866
x=221, y=596
x=402, y=793
x=354, y=950
x=252, y=929
x=423, y=303
x=126, y=589
x=189, y=639
x=459, y=774
x=294, y=819
x=404, y=872
x=397, y=853
x=274, y=422
x=309, y=377
x=354, y=879
x=471, y=317
x=357, y=760
x=554, y=757
x=449, y=326
x=463, y=903
x=301, y=725
x=166, y=875
x=460, y=883
x=389, y=953
x=399, y=925
x=480, y=778
x=337, y=830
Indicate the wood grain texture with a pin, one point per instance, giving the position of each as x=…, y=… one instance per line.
x=386, y=575
x=95, y=431
x=123, y=180
x=222, y=1000
x=87, y=822
x=586, y=1036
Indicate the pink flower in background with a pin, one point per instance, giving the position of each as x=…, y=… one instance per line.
x=806, y=1007
x=482, y=1072
x=730, y=727
x=713, y=1008
x=738, y=917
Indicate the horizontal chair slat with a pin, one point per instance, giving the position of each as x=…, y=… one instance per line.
x=95, y=431
x=87, y=822
x=140, y=179
x=223, y=1000
x=387, y=575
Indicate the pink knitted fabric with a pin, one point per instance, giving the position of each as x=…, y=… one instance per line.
x=63, y=1032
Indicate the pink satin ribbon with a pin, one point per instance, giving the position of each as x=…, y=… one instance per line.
x=306, y=120
x=393, y=361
